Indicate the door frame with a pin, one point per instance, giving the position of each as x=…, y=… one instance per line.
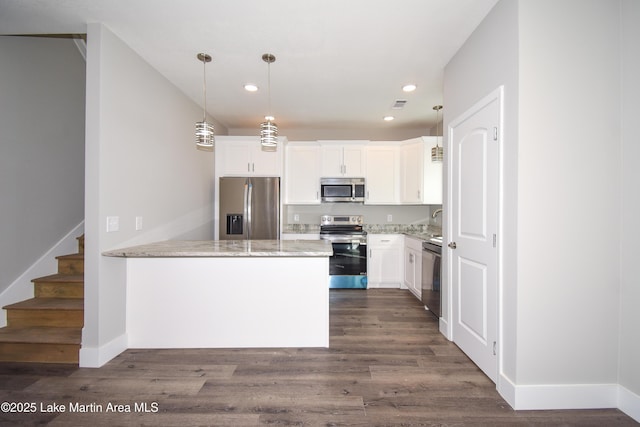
x=446, y=322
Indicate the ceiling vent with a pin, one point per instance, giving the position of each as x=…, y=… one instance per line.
x=399, y=104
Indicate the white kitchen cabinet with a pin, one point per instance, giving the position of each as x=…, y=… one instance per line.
x=383, y=174
x=244, y=156
x=420, y=178
x=413, y=265
x=343, y=159
x=384, y=264
x=302, y=173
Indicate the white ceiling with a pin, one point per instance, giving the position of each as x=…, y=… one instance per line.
x=340, y=63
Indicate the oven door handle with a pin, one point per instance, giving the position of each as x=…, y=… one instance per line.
x=360, y=242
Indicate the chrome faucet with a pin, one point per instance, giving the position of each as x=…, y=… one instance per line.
x=435, y=213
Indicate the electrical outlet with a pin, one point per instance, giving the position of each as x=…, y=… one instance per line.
x=138, y=223
x=389, y=218
x=113, y=223
x=296, y=218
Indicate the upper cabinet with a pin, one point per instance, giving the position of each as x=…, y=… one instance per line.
x=302, y=173
x=343, y=159
x=420, y=177
x=383, y=174
x=244, y=156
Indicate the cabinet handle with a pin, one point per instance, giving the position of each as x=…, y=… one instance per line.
x=253, y=167
x=370, y=253
x=385, y=240
x=248, y=167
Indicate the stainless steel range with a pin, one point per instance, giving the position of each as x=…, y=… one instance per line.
x=348, y=265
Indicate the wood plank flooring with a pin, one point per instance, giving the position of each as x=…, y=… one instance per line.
x=387, y=366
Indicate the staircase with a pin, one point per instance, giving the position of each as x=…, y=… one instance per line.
x=48, y=327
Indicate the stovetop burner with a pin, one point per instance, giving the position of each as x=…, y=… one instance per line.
x=342, y=227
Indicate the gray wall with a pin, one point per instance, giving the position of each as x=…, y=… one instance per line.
x=568, y=312
x=141, y=161
x=42, y=97
x=630, y=209
x=487, y=60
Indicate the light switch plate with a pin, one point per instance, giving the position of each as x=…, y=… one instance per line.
x=138, y=223
x=113, y=223
x=389, y=218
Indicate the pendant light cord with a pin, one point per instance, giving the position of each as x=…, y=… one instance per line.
x=204, y=86
x=269, y=89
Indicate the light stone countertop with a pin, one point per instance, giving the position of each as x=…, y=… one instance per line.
x=227, y=248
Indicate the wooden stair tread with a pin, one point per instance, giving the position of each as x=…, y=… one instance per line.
x=78, y=256
x=48, y=327
x=41, y=335
x=48, y=304
x=62, y=278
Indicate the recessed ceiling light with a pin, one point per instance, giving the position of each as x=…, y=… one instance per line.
x=388, y=118
x=250, y=87
x=409, y=88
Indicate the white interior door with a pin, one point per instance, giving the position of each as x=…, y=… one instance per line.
x=474, y=161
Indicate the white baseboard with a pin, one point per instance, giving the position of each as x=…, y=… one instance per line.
x=383, y=285
x=569, y=396
x=629, y=403
x=95, y=357
x=443, y=327
x=22, y=289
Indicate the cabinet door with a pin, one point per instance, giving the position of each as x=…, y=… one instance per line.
x=409, y=269
x=432, y=187
x=302, y=177
x=417, y=273
x=340, y=159
x=412, y=172
x=353, y=161
x=332, y=165
x=265, y=163
x=382, y=175
x=413, y=265
x=412, y=271
x=236, y=158
x=384, y=268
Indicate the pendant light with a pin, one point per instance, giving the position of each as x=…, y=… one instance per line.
x=205, y=137
x=437, y=152
x=269, y=129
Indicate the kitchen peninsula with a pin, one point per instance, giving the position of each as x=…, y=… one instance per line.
x=231, y=293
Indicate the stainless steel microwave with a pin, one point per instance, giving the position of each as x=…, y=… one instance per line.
x=345, y=190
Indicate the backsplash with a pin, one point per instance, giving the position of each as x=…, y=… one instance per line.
x=402, y=228
x=370, y=228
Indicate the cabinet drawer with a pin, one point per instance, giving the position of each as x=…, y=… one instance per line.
x=384, y=239
x=413, y=243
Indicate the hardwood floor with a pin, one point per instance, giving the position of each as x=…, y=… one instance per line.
x=387, y=366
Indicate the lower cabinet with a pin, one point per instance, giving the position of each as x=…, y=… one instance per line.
x=413, y=265
x=384, y=264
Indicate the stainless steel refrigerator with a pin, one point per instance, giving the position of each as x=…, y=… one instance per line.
x=249, y=208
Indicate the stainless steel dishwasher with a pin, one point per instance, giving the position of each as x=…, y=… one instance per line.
x=431, y=257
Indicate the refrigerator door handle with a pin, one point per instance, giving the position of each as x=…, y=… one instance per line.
x=248, y=202
x=245, y=216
